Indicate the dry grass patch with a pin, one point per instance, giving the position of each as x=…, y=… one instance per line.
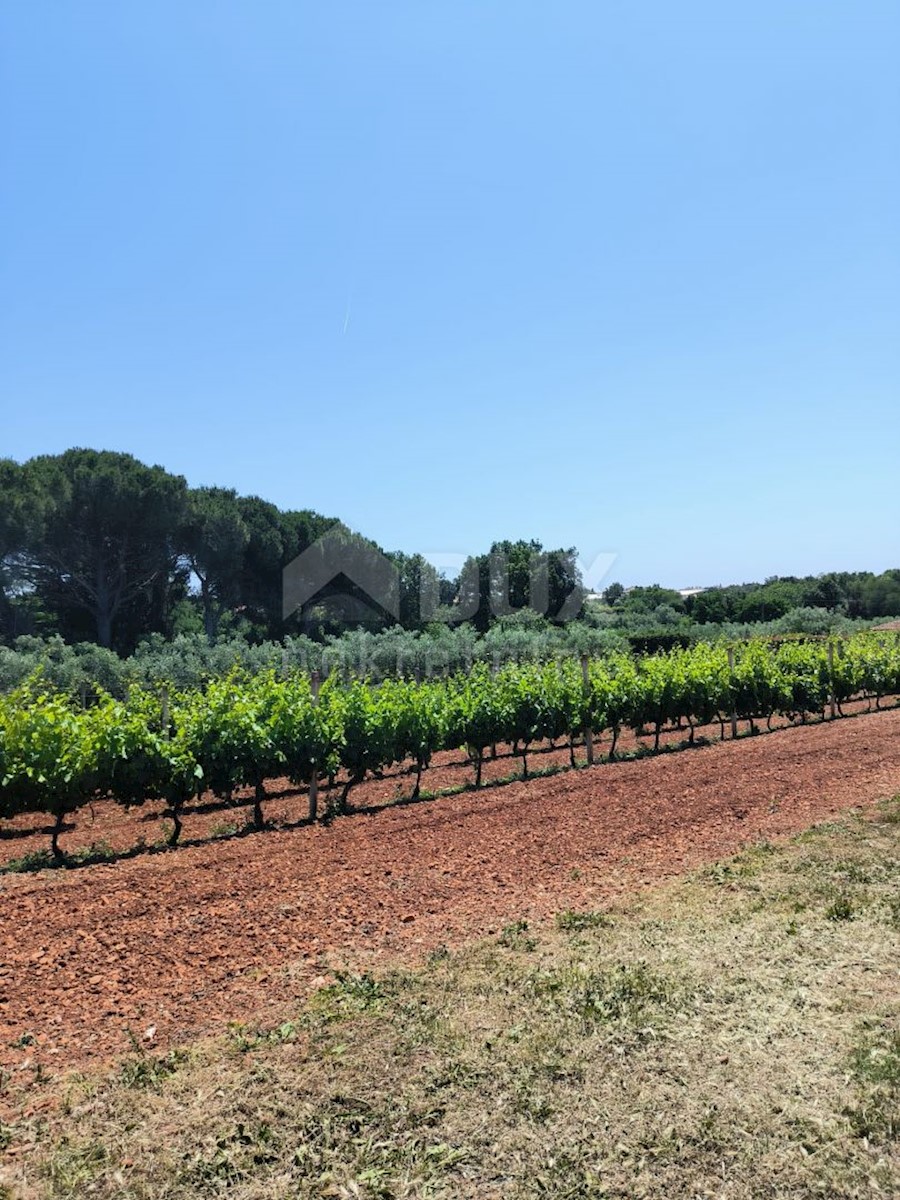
x=735, y=1035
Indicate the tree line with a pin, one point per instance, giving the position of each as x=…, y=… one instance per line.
x=854, y=594
x=97, y=546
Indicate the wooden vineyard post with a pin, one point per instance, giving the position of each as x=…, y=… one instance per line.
x=731, y=673
x=588, y=732
x=314, y=779
x=165, y=711
x=832, y=701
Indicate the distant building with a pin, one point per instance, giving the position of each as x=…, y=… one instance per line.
x=682, y=592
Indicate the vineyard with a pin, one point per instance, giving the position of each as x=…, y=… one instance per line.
x=59, y=751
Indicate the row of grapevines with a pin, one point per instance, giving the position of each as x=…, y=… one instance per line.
x=241, y=731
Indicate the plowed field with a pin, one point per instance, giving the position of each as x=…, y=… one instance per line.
x=183, y=942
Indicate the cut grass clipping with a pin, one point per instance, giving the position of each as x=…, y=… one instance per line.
x=733, y=1035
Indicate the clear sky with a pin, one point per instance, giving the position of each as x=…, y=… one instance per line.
x=624, y=276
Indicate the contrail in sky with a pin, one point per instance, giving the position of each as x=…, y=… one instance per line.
x=346, y=315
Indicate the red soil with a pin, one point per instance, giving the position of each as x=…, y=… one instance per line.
x=225, y=930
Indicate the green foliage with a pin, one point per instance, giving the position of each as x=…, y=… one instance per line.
x=48, y=758
x=875, y=1066
x=576, y=922
x=190, y=659
x=515, y=936
x=877, y=1059
x=368, y=738
x=308, y=734
x=626, y=993
x=102, y=554
x=613, y=594
x=95, y=545
x=648, y=599
x=419, y=721
x=147, y=1072
x=213, y=538
x=520, y=578
x=350, y=993
x=841, y=908
x=58, y=748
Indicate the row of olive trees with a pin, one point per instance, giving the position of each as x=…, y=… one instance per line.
x=191, y=660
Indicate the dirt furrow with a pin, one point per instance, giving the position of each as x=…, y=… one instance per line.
x=188, y=940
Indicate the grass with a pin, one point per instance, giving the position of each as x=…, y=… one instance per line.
x=733, y=1035
x=515, y=936
x=875, y=1063
x=573, y=922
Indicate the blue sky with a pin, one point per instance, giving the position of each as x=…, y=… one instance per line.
x=619, y=276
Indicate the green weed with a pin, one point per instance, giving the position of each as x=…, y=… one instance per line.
x=515, y=937
x=570, y=921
